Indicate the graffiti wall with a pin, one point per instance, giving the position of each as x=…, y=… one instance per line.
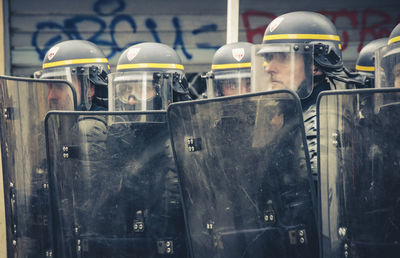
x=195, y=30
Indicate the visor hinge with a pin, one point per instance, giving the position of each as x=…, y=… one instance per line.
x=165, y=247
x=138, y=222
x=193, y=144
x=297, y=237
x=70, y=152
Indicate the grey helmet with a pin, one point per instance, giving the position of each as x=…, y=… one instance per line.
x=83, y=64
x=149, y=76
x=230, y=70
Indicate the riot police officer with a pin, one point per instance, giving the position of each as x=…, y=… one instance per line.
x=149, y=76
x=85, y=66
x=365, y=64
x=388, y=62
x=230, y=71
x=359, y=171
x=302, y=52
x=246, y=150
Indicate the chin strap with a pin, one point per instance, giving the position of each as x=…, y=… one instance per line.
x=181, y=90
x=352, y=80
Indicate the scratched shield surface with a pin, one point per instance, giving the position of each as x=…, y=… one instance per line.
x=113, y=186
x=245, y=176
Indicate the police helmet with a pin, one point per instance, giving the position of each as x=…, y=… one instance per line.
x=308, y=28
x=149, y=76
x=84, y=65
x=365, y=63
x=230, y=70
x=302, y=38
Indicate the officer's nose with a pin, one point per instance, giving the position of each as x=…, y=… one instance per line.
x=51, y=93
x=271, y=66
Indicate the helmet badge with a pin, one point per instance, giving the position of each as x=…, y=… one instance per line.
x=132, y=53
x=275, y=23
x=238, y=53
x=52, y=53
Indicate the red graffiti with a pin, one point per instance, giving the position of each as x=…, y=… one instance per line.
x=251, y=32
x=369, y=22
x=376, y=30
x=351, y=15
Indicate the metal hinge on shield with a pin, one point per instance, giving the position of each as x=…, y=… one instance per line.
x=8, y=113
x=70, y=152
x=13, y=200
x=269, y=214
x=193, y=144
x=343, y=235
x=165, y=247
x=336, y=139
x=297, y=236
x=49, y=253
x=138, y=222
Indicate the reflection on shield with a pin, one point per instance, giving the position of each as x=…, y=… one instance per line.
x=113, y=185
x=359, y=167
x=24, y=103
x=245, y=177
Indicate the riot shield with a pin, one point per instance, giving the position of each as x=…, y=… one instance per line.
x=359, y=153
x=245, y=176
x=113, y=185
x=24, y=104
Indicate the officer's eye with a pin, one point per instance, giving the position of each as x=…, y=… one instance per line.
x=283, y=57
x=279, y=57
x=396, y=73
x=268, y=57
x=228, y=85
x=56, y=87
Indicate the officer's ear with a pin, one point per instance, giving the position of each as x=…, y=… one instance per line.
x=91, y=91
x=317, y=70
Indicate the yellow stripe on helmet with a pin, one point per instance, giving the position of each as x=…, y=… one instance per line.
x=302, y=36
x=76, y=61
x=365, y=68
x=230, y=66
x=393, y=40
x=149, y=65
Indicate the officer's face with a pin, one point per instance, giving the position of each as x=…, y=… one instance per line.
x=285, y=71
x=59, y=97
x=230, y=87
x=133, y=91
x=396, y=73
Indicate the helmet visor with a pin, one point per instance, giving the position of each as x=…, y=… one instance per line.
x=283, y=66
x=79, y=79
x=139, y=91
x=229, y=83
x=387, y=67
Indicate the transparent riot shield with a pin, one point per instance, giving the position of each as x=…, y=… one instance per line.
x=24, y=104
x=245, y=176
x=113, y=185
x=359, y=154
